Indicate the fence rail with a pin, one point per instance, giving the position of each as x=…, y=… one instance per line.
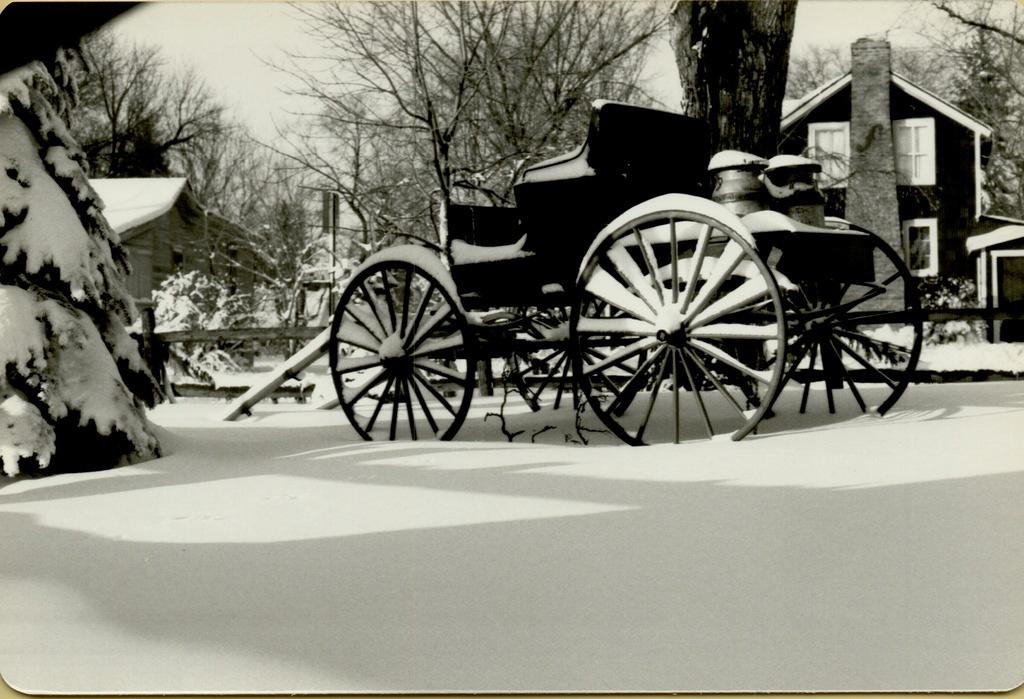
x=238, y=334
x=155, y=344
x=265, y=334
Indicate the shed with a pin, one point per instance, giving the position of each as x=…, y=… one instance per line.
x=164, y=228
x=998, y=248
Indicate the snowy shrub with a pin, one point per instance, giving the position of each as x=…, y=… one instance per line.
x=941, y=293
x=195, y=301
x=72, y=383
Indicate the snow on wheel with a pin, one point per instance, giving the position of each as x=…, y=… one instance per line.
x=856, y=343
x=677, y=327
x=401, y=355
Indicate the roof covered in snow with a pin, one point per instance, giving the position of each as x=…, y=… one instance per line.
x=132, y=201
x=795, y=110
x=1003, y=234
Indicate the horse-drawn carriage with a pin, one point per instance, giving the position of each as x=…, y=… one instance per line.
x=670, y=313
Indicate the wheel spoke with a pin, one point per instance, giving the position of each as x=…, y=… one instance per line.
x=349, y=364
x=867, y=339
x=375, y=307
x=433, y=391
x=440, y=314
x=728, y=359
x=674, y=261
x=380, y=404
x=394, y=413
x=365, y=388
x=423, y=403
x=754, y=289
x=736, y=331
x=406, y=289
x=647, y=253
x=621, y=354
x=439, y=369
x=427, y=348
x=810, y=373
x=551, y=374
x=632, y=386
x=724, y=266
x=865, y=363
x=714, y=381
x=561, y=385
x=408, y=408
x=615, y=326
x=421, y=308
x=630, y=271
x=357, y=335
x=797, y=358
x=675, y=387
x=605, y=287
x=850, y=383
x=829, y=360
x=654, y=397
x=390, y=298
x=696, y=262
x=366, y=320
x=695, y=390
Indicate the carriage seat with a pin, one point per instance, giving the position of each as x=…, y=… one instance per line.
x=561, y=167
x=639, y=144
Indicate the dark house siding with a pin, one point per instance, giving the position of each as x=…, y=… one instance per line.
x=176, y=241
x=951, y=201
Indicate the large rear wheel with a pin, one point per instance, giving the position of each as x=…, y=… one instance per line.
x=677, y=329
x=856, y=343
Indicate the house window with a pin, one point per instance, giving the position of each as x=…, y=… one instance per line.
x=829, y=144
x=920, y=246
x=177, y=260
x=915, y=150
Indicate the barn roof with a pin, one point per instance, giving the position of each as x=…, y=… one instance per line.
x=1003, y=234
x=795, y=110
x=129, y=202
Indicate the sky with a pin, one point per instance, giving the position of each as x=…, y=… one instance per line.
x=233, y=44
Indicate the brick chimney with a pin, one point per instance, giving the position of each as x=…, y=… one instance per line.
x=871, y=192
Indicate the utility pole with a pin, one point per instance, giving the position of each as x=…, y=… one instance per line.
x=330, y=205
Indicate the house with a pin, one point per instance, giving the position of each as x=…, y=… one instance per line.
x=897, y=159
x=998, y=250
x=164, y=229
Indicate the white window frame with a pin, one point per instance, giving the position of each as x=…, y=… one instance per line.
x=812, y=130
x=932, y=224
x=927, y=176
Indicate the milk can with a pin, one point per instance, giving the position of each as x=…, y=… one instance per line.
x=736, y=182
x=791, y=184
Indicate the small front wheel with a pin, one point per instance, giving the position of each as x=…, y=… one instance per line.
x=401, y=354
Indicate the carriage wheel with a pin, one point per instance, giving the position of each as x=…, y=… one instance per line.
x=859, y=341
x=537, y=371
x=677, y=300
x=402, y=357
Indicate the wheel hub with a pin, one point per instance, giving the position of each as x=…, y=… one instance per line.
x=392, y=347
x=676, y=338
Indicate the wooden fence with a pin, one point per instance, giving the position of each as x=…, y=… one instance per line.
x=156, y=352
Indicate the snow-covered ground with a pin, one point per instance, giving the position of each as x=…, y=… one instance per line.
x=279, y=554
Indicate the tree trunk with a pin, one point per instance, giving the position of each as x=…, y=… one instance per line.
x=733, y=58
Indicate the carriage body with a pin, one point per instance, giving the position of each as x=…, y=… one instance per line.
x=614, y=259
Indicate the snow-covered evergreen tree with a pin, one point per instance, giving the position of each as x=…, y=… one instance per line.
x=72, y=382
